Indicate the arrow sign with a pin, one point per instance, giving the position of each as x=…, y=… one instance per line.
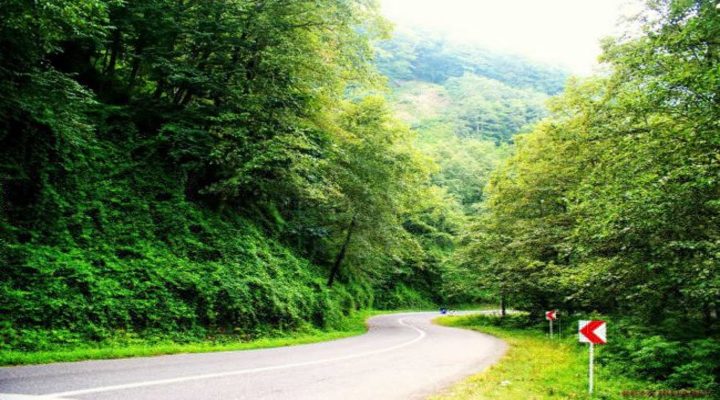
x=594, y=332
x=551, y=315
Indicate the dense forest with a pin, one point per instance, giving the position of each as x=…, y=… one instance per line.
x=610, y=204
x=184, y=169
x=188, y=168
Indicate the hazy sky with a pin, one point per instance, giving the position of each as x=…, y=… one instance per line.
x=560, y=32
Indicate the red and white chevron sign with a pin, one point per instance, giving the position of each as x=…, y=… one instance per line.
x=594, y=332
x=551, y=315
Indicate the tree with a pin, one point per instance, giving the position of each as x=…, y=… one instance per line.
x=377, y=175
x=610, y=204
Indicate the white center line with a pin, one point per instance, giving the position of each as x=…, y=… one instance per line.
x=421, y=335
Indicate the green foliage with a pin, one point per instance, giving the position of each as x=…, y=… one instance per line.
x=538, y=368
x=610, y=203
x=185, y=169
x=487, y=109
x=680, y=364
x=425, y=56
x=473, y=104
x=378, y=176
x=209, y=282
x=466, y=104
x=403, y=297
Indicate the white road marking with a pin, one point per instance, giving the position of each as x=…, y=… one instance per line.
x=11, y=396
x=421, y=335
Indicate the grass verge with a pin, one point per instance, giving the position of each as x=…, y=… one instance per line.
x=536, y=367
x=353, y=325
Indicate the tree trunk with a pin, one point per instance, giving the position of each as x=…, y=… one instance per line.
x=135, y=67
x=109, y=69
x=184, y=102
x=709, y=315
x=341, y=255
x=114, y=51
x=503, y=311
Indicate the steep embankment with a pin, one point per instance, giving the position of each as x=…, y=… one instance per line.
x=123, y=252
x=183, y=170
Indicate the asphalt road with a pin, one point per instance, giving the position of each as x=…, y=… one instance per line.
x=403, y=356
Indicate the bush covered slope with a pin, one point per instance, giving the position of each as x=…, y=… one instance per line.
x=184, y=169
x=129, y=262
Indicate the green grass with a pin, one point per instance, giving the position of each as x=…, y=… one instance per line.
x=353, y=325
x=536, y=367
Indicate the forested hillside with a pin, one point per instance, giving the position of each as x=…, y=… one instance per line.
x=465, y=102
x=422, y=55
x=484, y=94
x=184, y=169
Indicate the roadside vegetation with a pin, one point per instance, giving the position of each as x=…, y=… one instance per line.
x=536, y=367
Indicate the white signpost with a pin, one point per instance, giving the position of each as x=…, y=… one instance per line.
x=551, y=316
x=593, y=332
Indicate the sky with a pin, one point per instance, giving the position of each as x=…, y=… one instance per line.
x=565, y=33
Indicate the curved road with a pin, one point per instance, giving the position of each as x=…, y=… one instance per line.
x=403, y=356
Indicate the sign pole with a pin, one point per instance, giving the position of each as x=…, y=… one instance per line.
x=592, y=332
x=551, y=330
x=551, y=316
x=590, y=384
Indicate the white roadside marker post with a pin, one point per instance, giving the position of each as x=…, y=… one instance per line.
x=551, y=332
x=551, y=316
x=590, y=368
x=593, y=332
